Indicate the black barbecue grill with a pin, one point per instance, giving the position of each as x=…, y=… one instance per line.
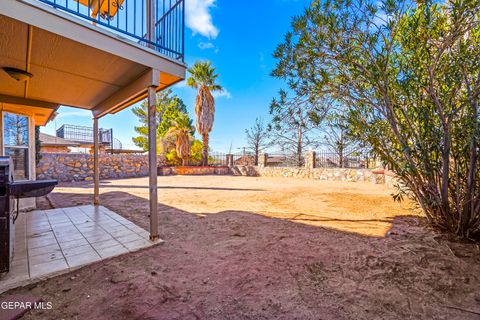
x=9, y=192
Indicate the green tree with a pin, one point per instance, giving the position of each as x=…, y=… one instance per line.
x=195, y=158
x=411, y=75
x=169, y=108
x=203, y=78
x=182, y=130
x=196, y=152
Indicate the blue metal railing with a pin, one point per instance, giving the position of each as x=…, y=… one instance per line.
x=129, y=18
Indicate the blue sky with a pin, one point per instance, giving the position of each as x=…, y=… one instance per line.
x=239, y=37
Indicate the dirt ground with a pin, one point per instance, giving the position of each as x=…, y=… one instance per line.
x=267, y=248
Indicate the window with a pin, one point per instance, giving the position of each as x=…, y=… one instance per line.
x=15, y=141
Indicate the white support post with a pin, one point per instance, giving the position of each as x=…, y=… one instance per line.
x=152, y=162
x=96, y=168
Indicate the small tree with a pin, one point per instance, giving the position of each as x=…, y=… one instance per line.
x=257, y=138
x=203, y=78
x=182, y=130
x=196, y=152
x=169, y=107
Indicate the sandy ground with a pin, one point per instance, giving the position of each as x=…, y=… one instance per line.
x=268, y=248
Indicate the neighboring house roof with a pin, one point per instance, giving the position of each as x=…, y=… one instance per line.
x=276, y=159
x=53, y=141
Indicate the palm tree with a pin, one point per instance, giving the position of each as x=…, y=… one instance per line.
x=182, y=129
x=203, y=77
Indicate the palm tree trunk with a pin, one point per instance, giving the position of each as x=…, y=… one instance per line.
x=205, y=149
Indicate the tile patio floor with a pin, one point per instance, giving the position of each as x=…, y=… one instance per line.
x=51, y=242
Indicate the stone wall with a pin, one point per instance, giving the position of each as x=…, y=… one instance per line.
x=332, y=174
x=79, y=167
x=192, y=170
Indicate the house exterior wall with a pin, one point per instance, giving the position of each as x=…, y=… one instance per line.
x=25, y=204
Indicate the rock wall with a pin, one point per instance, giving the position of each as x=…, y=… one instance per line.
x=332, y=174
x=79, y=167
x=192, y=170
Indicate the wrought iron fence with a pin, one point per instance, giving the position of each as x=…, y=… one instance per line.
x=285, y=160
x=350, y=159
x=221, y=159
x=217, y=159
x=214, y=159
x=323, y=159
x=130, y=18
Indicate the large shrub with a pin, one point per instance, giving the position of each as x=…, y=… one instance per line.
x=410, y=72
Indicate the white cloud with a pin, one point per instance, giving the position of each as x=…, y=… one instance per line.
x=206, y=45
x=199, y=18
x=224, y=93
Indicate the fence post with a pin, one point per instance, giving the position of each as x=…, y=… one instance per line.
x=229, y=160
x=310, y=159
x=262, y=160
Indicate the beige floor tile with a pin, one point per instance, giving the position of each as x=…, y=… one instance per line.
x=44, y=269
x=43, y=258
x=19, y=261
x=65, y=237
x=44, y=250
x=35, y=243
x=72, y=243
x=105, y=244
x=73, y=251
x=99, y=238
x=128, y=238
x=137, y=244
x=121, y=233
x=112, y=251
x=83, y=259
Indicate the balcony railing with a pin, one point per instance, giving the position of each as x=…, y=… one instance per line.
x=158, y=24
x=84, y=134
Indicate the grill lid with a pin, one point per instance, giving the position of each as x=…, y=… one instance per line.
x=30, y=189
